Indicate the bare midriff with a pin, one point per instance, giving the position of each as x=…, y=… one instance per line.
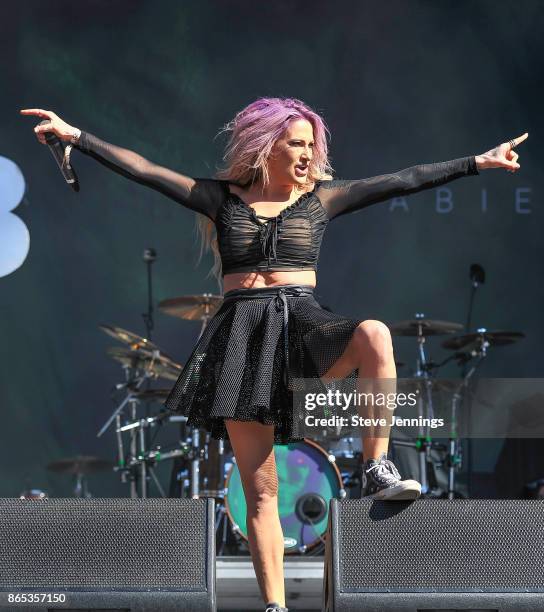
x=258, y=280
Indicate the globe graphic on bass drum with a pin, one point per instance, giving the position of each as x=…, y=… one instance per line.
x=308, y=480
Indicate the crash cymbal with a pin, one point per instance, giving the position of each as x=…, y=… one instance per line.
x=192, y=307
x=424, y=327
x=80, y=465
x=144, y=359
x=494, y=338
x=127, y=337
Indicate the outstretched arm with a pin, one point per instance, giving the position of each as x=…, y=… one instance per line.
x=201, y=195
x=341, y=197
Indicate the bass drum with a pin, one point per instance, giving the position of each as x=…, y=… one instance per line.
x=308, y=480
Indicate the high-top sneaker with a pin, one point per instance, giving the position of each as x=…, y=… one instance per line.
x=274, y=607
x=381, y=480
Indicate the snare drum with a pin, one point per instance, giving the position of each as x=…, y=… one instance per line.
x=308, y=480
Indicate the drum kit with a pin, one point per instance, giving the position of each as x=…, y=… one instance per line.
x=310, y=472
x=469, y=350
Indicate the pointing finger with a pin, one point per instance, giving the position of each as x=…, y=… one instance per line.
x=520, y=139
x=36, y=111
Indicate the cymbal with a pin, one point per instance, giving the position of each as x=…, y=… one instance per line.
x=128, y=337
x=495, y=338
x=424, y=327
x=192, y=307
x=80, y=465
x=144, y=359
x=148, y=395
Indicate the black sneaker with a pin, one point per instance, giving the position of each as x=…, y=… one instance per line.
x=274, y=607
x=381, y=480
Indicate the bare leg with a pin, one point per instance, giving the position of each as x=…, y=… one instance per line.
x=370, y=350
x=252, y=444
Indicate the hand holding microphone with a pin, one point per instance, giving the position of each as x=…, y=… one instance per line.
x=53, y=132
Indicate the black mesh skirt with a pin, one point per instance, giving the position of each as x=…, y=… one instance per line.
x=243, y=364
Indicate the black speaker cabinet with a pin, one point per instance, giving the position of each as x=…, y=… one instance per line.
x=117, y=554
x=465, y=554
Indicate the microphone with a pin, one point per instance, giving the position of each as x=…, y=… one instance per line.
x=477, y=275
x=150, y=255
x=57, y=149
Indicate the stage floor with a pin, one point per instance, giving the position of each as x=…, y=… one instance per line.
x=237, y=586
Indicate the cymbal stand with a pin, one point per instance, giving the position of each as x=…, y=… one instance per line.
x=129, y=397
x=206, y=316
x=454, y=457
x=142, y=458
x=132, y=383
x=133, y=451
x=196, y=455
x=81, y=490
x=423, y=444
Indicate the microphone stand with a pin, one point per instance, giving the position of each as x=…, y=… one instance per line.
x=477, y=277
x=149, y=256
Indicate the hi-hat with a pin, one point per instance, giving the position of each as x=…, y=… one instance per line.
x=192, y=307
x=149, y=395
x=143, y=359
x=424, y=327
x=493, y=338
x=128, y=337
x=80, y=465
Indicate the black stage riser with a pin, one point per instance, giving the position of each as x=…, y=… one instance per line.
x=116, y=554
x=474, y=554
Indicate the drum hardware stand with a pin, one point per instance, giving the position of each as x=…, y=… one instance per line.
x=423, y=442
x=142, y=457
x=131, y=384
x=477, y=278
x=149, y=256
x=197, y=452
x=454, y=458
x=81, y=490
x=221, y=522
x=197, y=307
x=195, y=463
x=207, y=314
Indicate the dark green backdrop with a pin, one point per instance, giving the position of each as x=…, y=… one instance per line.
x=399, y=83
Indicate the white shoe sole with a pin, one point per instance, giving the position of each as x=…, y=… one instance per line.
x=405, y=490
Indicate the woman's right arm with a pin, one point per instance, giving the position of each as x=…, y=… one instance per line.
x=201, y=195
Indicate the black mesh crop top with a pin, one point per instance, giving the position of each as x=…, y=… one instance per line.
x=291, y=240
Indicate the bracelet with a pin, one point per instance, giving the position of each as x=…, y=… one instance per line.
x=75, y=136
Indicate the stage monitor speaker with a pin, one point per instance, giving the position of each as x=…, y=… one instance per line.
x=117, y=554
x=463, y=554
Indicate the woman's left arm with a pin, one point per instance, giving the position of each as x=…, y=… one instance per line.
x=341, y=197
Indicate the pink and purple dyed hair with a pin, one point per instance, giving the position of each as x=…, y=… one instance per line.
x=255, y=129
x=252, y=134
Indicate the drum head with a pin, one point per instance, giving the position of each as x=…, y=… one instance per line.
x=308, y=480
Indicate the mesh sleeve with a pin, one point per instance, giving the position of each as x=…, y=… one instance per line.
x=201, y=195
x=340, y=197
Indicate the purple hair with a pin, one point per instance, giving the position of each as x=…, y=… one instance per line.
x=255, y=129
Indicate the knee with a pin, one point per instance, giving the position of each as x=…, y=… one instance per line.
x=374, y=337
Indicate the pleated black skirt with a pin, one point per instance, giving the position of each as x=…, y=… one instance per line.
x=244, y=363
